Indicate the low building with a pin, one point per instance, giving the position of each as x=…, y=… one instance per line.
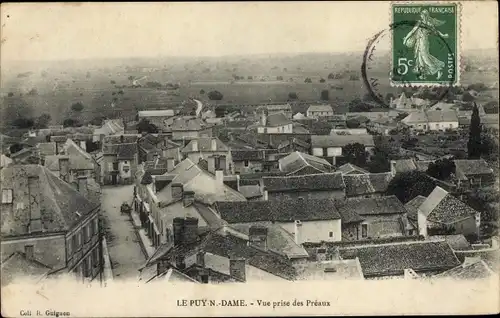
x=187, y=128
x=386, y=261
x=298, y=163
x=441, y=213
x=313, y=186
x=434, y=120
x=369, y=218
x=153, y=146
x=119, y=160
x=276, y=123
x=44, y=220
x=156, y=114
x=308, y=220
x=349, y=131
x=330, y=146
x=280, y=108
x=248, y=161
x=473, y=174
x=211, y=149
x=349, y=169
x=318, y=111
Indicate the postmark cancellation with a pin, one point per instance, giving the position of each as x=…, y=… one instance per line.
x=425, y=44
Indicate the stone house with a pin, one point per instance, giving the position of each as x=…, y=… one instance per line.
x=213, y=150
x=317, y=111
x=330, y=146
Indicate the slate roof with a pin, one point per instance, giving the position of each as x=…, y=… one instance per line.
x=58, y=206
x=320, y=108
x=476, y=269
x=372, y=206
x=413, y=205
x=204, y=145
x=277, y=119
x=442, y=207
x=299, y=160
x=251, y=155
x=282, y=211
x=393, y=259
x=326, y=141
x=17, y=266
x=363, y=184
x=322, y=181
x=472, y=167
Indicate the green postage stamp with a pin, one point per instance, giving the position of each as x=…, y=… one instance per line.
x=425, y=44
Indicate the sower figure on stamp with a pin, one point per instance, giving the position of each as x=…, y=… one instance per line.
x=418, y=37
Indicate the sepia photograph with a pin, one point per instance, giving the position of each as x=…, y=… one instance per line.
x=215, y=159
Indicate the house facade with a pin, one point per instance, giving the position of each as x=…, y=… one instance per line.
x=432, y=120
x=318, y=111
x=330, y=146
x=248, y=161
x=276, y=123
x=216, y=154
x=119, y=161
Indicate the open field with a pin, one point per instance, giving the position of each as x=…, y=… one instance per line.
x=59, y=85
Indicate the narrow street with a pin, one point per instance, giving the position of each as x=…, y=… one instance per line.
x=124, y=249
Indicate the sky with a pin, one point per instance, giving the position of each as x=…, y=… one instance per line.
x=50, y=31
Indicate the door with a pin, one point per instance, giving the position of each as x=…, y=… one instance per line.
x=113, y=179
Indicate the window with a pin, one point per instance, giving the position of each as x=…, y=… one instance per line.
x=330, y=234
x=86, y=267
x=74, y=243
x=96, y=225
x=95, y=258
x=246, y=163
x=29, y=251
x=364, y=230
x=86, y=233
x=7, y=196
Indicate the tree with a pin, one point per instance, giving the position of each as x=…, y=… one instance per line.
x=97, y=121
x=325, y=94
x=308, y=80
x=23, y=122
x=331, y=76
x=357, y=105
x=10, y=94
x=352, y=123
x=42, y=121
x=489, y=148
x=77, y=107
x=220, y=112
x=441, y=169
x=293, y=96
x=112, y=82
x=202, y=91
x=407, y=185
x=146, y=126
x=355, y=153
x=69, y=122
x=485, y=201
x=322, y=80
x=379, y=161
x=467, y=97
x=279, y=78
x=32, y=92
x=474, y=147
x=215, y=95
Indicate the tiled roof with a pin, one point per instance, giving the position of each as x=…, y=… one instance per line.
x=250, y=191
x=403, y=165
x=442, y=207
x=298, y=160
x=126, y=151
x=372, y=206
x=473, y=167
x=278, y=239
x=17, y=266
x=121, y=139
x=422, y=165
x=330, y=270
x=188, y=124
x=61, y=207
x=442, y=116
x=362, y=184
x=326, y=141
x=283, y=211
x=457, y=242
x=393, y=259
x=277, y=119
x=205, y=144
x=207, y=189
x=320, y=108
x=322, y=181
x=413, y=205
x=241, y=155
x=476, y=269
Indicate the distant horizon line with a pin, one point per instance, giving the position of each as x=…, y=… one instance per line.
x=212, y=56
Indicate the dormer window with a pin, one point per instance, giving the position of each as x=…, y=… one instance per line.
x=7, y=196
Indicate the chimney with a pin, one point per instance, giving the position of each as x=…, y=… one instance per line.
x=177, y=190
x=237, y=268
x=34, y=189
x=204, y=276
x=180, y=262
x=82, y=185
x=122, y=139
x=64, y=168
x=257, y=237
x=187, y=198
x=200, y=259
x=178, y=225
x=190, y=230
x=213, y=144
x=83, y=145
x=219, y=176
x=298, y=232
x=170, y=164
x=194, y=144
